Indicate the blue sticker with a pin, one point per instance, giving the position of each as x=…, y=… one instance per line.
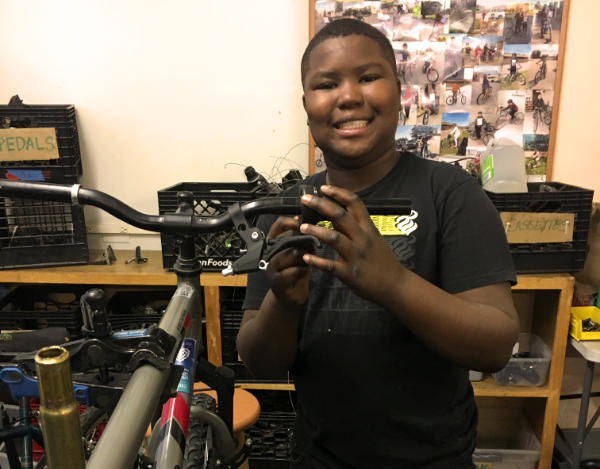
x=185, y=357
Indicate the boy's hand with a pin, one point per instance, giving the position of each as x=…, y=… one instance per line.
x=365, y=262
x=287, y=273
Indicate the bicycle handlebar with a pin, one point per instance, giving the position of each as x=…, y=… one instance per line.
x=175, y=222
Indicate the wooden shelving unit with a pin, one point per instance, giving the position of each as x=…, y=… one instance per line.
x=543, y=302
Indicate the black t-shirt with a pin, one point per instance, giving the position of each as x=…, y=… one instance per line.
x=370, y=393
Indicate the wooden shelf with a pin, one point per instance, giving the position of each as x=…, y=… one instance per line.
x=546, y=307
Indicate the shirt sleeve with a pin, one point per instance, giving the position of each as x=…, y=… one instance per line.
x=473, y=249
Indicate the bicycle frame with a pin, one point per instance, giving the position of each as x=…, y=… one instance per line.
x=121, y=439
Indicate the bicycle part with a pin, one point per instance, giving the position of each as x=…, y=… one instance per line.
x=536, y=118
x=485, y=138
x=482, y=98
x=59, y=412
x=95, y=316
x=425, y=117
x=432, y=75
x=450, y=100
x=108, y=257
x=521, y=79
x=463, y=99
x=200, y=445
x=92, y=422
x=138, y=259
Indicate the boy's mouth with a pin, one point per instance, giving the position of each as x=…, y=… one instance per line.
x=352, y=124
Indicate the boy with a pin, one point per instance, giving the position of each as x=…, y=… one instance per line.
x=379, y=332
x=479, y=123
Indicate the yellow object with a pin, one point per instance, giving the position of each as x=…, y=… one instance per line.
x=578, y=314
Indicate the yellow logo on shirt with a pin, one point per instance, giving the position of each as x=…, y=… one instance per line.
x=389, y=225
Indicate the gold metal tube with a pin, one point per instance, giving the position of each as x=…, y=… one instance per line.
x=59, y=412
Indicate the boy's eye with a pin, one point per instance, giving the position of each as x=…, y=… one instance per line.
x=325, y=85
x=369, y=78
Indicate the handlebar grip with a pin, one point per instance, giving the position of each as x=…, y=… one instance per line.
x=38, y=190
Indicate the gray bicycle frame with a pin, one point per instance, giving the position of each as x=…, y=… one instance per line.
x=121, y=439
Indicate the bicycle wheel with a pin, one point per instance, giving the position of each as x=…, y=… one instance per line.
x=521, y=79
x=92, y=422
x=432, y=75
x=463, y=99
x=482, y=98
x=519, y=116
x=425, y=117
x=501, y=122
x=485, y=138
x=547, y=117
x=199, y=446
x=450, y=100
x=538, y=77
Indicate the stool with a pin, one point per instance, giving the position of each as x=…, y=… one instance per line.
x=246, y=410
x=590, y=351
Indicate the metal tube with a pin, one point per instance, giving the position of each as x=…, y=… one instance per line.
x=121, y=439
x=59, y=412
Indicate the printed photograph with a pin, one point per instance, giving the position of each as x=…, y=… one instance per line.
x=510, y=115
x=486, y=50
x=515, y=66
x=454, y=136
x=536, y=153
x=489, y=17
x=462, y=15
x=458, y=96
x=435, y=19
x=518, y=22
x=485, y=84
x=423, y=140
x=547, y=21
x=542, y=65
x=422, y=105
x=419, y=63
x=453, y=64
x=482, y=129
x=538, y=111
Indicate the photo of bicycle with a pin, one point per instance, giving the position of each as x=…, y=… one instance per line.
x=454, y=133
x=489, y=18
x=462, y=15
x=536, y=153
x=538, y=112
x=419, y=63
x=518, y=22
x=542, y=66
x=482, y=50
x=548, y=17
x=515, y=72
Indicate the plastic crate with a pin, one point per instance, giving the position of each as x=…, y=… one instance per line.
x=61, y=117
x=137, y=309
x=216, y=250
x=530, y=368
x=552, y=197
x=271, y=435
x=231, y=318
x=36, y=233
x=36, y=307
x=505, y=443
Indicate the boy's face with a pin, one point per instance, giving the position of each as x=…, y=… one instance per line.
x=352, y=99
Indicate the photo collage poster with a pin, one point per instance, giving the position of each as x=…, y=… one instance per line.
x=471, y=71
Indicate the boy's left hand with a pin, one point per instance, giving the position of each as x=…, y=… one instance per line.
x=365, y=262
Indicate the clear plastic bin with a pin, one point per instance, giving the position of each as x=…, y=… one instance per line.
x=507, y=443
x=529, y=370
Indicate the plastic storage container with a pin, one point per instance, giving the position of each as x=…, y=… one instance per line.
x=506, y=443
x=529, y=367
x=503, y=167
x=550, y=197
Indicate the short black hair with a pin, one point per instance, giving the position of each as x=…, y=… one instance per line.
x=346, y=27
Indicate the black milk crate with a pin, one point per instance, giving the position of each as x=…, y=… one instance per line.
x=216, y=250
x=36, y=233
x=550, y=197
x=30, y=307
x=231, y=318
x=141, y=308
x=272, y=434
x=61, y=117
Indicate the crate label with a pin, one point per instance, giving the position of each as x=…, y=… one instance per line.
x=540, y=227
x=26, y=175
x=28, y=144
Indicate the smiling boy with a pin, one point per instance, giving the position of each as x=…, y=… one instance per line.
x=379, y=332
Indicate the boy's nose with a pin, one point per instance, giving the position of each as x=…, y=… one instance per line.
x=350, y=94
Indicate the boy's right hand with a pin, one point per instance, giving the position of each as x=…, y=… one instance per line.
x=288, y=275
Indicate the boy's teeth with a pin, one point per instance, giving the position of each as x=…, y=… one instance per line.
x=353, y=124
